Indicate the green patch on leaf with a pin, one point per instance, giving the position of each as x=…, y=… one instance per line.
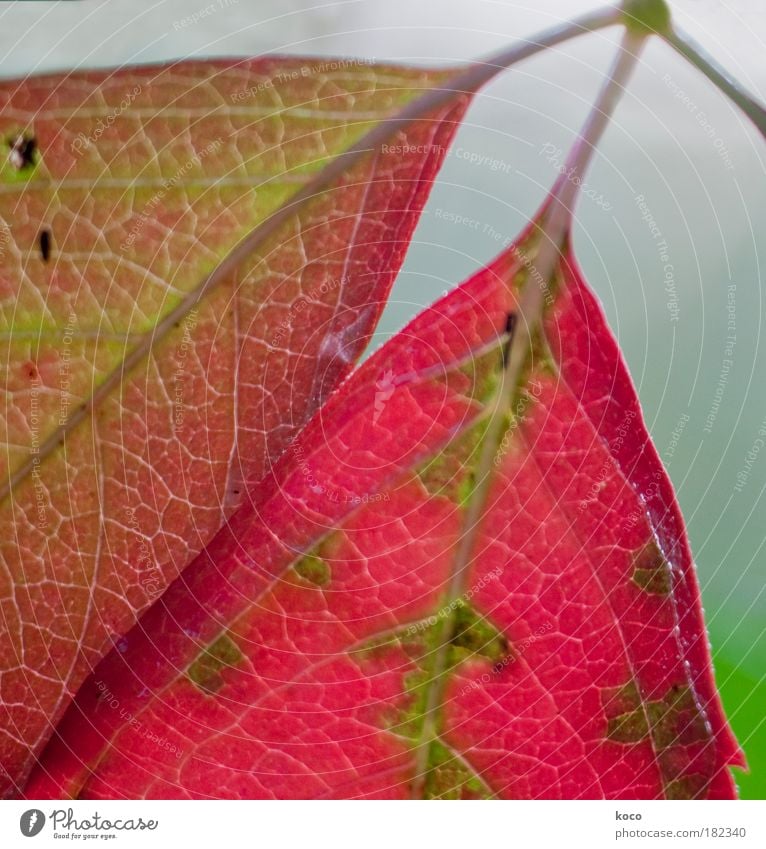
x=419, y=643
x=671, y=723
x=448, y=777
x=411, y=721
x=206, y=671
x=450, y=474
x=314, y=570
x=472, y=637
x=629, y=727
x=651, y=571
x=414, y=641
x=482, y=371
x=20, y=157
x=465, y=488
x=689, y=787
x=677, y=720
x=620, y=700
x=673, y=720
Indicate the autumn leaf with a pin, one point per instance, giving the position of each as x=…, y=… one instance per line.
x=171, y=316
x=338, y=639
x=467, y=577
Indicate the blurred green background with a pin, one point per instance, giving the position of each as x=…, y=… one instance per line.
x=677, y=150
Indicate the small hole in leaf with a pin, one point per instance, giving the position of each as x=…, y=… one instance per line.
x=22, y=151
x=45, y=244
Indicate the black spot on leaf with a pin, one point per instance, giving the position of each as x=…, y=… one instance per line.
x=510, y=324
x=22, y=151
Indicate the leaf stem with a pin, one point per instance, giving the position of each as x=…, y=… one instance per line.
x=718, y=75
x=553, y=231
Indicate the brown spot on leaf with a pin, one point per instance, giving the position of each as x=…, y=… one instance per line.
x=675, y=726
x=689, y=787
x=474, y=635
x=628, y=727
x=651, y=571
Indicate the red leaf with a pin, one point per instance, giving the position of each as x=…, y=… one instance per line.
x=138, y=396
x=325, y=644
